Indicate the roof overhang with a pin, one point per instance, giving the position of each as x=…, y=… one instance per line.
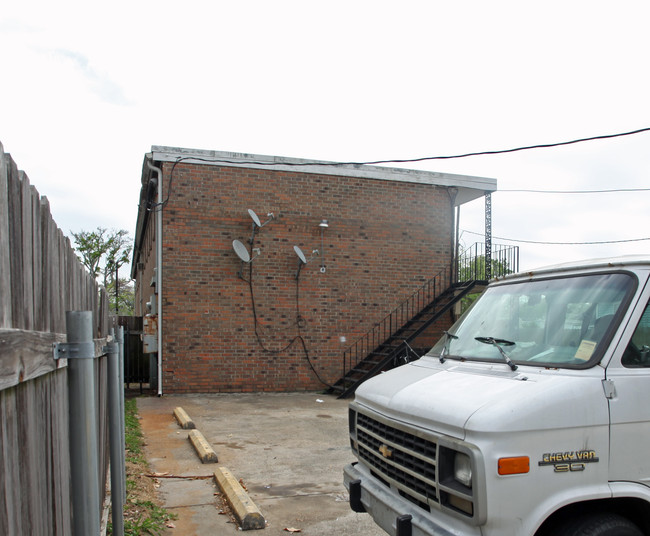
x=469, y=187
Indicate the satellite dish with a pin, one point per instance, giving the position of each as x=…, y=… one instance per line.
x=300, y=254
x=254, y=217
x=241, y=250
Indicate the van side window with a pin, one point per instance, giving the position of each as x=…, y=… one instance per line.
x=637, y=353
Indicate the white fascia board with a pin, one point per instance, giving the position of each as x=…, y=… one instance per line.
x=469, y=187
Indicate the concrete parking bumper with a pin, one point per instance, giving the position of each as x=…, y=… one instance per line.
x=287, y=451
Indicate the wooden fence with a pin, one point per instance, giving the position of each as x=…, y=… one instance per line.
x=40, y=279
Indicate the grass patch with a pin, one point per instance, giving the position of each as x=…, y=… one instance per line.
x=133, y=433
x=142, y=513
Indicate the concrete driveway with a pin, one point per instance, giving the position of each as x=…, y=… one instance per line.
x=287, y=449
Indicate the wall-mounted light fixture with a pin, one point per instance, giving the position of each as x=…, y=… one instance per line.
x=257, y=224
x=242, y=252
x=324, y=224
x=302, y=259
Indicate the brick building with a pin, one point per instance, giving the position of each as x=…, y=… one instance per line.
x=221, y=324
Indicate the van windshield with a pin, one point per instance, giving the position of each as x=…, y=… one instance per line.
x=558, y=322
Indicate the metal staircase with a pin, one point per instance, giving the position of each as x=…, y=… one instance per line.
x=388, y=344
x=395, y=349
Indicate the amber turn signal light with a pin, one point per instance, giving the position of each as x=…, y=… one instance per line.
x=514, y=466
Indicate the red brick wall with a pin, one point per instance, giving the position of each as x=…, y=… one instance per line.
x=385, y=239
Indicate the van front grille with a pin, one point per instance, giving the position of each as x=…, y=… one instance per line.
x=400, y=457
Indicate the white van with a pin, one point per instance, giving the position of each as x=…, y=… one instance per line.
x=531, y=416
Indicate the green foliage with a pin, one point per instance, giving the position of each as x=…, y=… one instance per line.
x=474, y=269
x=468, y=300
x=104, y=252
x=151, y=522
x=91, y=246
x=125, y=296
x=132, y=432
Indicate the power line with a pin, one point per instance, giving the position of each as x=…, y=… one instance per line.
x=561, y=243
x=516, y=149
x=615, y=190
x=408, y=160
x=403, y=160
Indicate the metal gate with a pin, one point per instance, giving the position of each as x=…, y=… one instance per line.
x=136, y=363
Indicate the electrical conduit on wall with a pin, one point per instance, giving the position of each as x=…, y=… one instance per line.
x=159, y=268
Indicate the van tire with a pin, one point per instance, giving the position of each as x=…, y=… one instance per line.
x=605, y=524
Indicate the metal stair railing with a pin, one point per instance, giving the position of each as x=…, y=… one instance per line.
x=348, y=383
x=394, y=321
x=469, y=268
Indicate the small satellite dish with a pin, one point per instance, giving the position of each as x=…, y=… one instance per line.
x=300, y=254
x=241, y=251
x=256, y=220
x=302, y=259
x=254, y=217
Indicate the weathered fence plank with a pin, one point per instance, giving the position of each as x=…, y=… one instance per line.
x=46, y=257
x=27, y=455
x=40, y=279
x=44, y=402
x=26, y=355
x=11, y=521
x=62, y=290
x=15, y=246
x=5, y=265
x=37, y=254
x=60, y=478
x=26, y=247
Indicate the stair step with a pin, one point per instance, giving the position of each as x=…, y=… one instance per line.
x=384, y=354
x=417, y=320
x=406, y=333
x=372, y=363
x=355, y=372
x=393, y=344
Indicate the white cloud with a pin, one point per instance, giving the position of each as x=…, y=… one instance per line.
x=92, y=87
x=100, y=84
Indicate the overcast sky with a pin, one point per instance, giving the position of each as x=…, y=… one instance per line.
x=88, y=88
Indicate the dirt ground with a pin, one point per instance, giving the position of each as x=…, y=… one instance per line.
x=288, y=450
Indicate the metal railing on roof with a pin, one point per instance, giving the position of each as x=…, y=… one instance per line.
x=472, y=266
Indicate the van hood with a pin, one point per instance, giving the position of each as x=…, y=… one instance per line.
x=454, y=398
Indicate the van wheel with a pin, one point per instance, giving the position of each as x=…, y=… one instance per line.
x=600, y=525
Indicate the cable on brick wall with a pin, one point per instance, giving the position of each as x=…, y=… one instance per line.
x=300, y=323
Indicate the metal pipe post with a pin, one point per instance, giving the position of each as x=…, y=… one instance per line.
x=84, y=453
x=121, y=341
x=115, y=438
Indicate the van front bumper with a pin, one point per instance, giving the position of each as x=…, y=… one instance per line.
x=396, y=515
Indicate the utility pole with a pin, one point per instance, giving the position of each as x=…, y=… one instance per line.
x=117, y=285
x=488, y=236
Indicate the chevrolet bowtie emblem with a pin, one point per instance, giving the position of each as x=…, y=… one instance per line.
x=385, y=451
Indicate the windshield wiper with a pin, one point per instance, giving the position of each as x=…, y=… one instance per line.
x=448, y=337
x=498, y=343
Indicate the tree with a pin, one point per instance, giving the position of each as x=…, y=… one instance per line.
x=124, y=302
x=474, y=269
x=103, y=252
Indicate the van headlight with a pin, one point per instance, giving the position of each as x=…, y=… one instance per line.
x=463, y=469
